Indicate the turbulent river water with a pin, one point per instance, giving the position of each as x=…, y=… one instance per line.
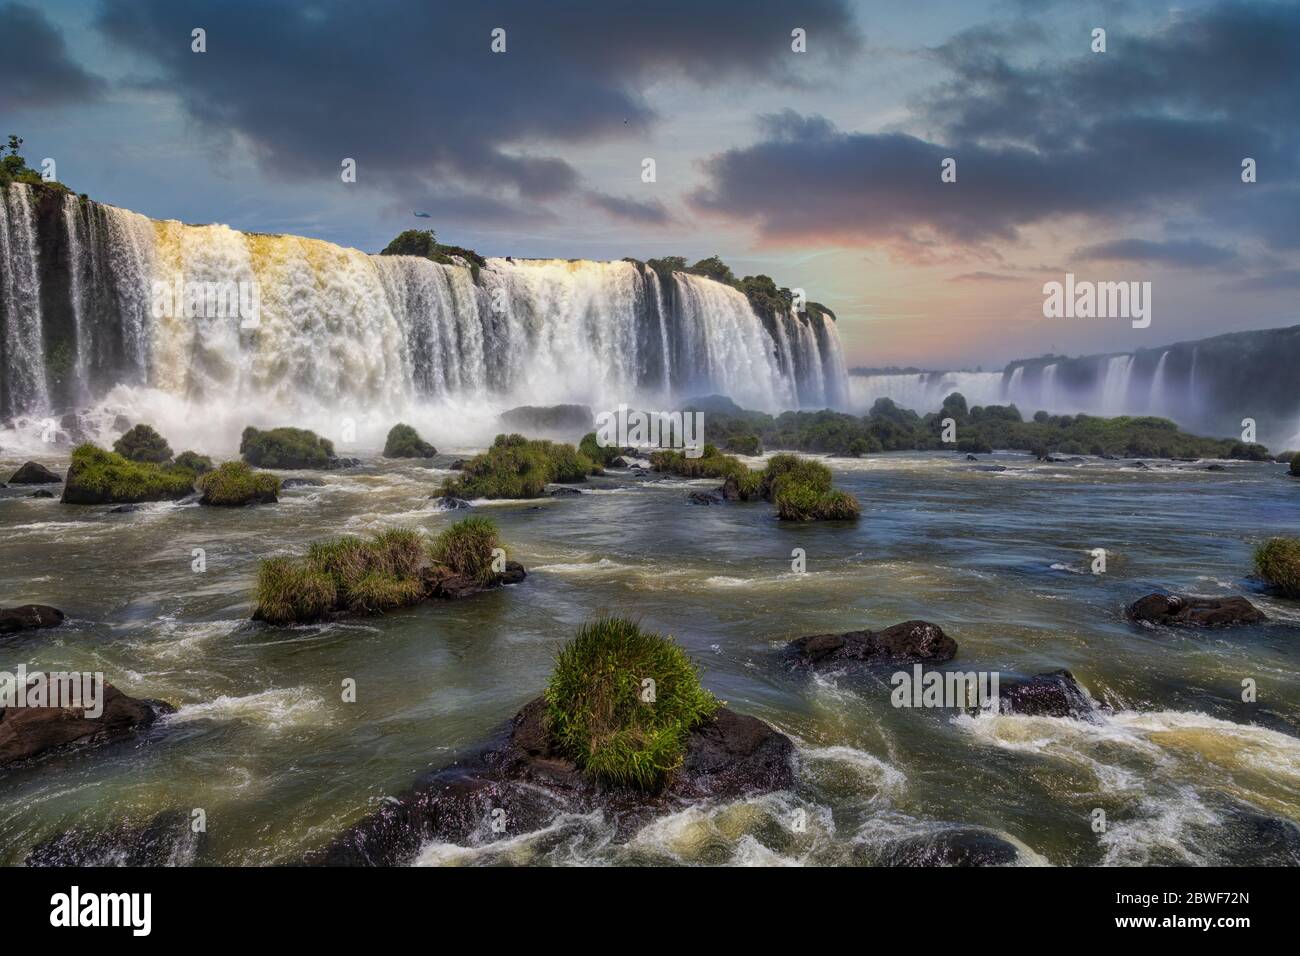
x=263, y=742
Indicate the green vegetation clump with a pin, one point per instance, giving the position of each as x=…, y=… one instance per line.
x=600, y=454
x=346, y=573
x=604, y=715
x=14, y=168
x=1277, y=561
x=466, y=549
x=1295, y=464
x=285, y=448
x=749, y=445
x=424, y=243
x=802, y=491
x=199, y=464
x=142, y=443
x=517, y=467
x=710, y=464
x=235, y=483
x=96, y=476
x=405, y=442
x=887, y=427
x=389, y=570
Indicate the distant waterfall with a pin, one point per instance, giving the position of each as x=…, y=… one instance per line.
x=344, y=332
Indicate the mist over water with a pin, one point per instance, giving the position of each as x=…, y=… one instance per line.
x=346, y=335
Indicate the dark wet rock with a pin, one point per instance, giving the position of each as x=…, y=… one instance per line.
x=640, y=472
x=990, y=468
x=34, y=473
x=967, y=846
x=1054, y=694
x=449, y=503
x=41, y=494
x=1216, y=468
x=167, y=839
x=30, y=731
x=1176, y=610
x=730, y=490
x=620, y=462
x=971, y=458
x=545, y=421
x=563, y=492
x=446, y=585
x=911, y=642
x=121, y=423
x=124, y=509
x=457, y=465
x=1140, y=464
x=518, y=776
x=302, y=483
x=343, y=463
x=704, y=498
x=29, y=617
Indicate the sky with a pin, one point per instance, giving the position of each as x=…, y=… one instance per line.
x=819, y=168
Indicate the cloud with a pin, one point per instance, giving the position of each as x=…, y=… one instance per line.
x=1156, y=127
x=1276, y=280
x=982, y=276
x=1183, y=253
x=35, y=68
x=414, y=92
x=649, y=212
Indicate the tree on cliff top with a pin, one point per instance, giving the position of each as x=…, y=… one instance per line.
x=13, y=168
x=413, y=242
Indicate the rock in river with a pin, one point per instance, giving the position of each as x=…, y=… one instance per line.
x=29, y=617
x=30, y=731
x=727, y=757
x=1054, y=694
x=165, y=840
x=907, y=643
x=33, y=473
x=1176, y=610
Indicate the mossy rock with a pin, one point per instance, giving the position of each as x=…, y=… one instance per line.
x=517, y=467
x=235, y=484
x=622, y=702
x=405, y=442
x=142, y=443
x=285, y=448
x=97, y=477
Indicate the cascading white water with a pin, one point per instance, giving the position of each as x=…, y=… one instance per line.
x=1156, y=399
x=1114, y=385
x=24, y=347
x=1049, y=387
x=345, y=335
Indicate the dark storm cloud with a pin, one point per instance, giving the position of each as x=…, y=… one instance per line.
x=650, y=212
x=413, y=90
x=35, y=67
x=1177, y=252
x=1158, y=125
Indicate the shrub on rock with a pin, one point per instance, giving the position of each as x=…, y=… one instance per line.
x=710, y=464
x=199, y=464
x=744, y=445
x=605, y=715
x=1277, y=561
x=517, y=467
x=1295, y=464
x=466, y=549
x=601, y=454
x=98, y=477
x=285, y=448
x=802, y=490
x=235, y=484
x=405, y=442
x=142, y=443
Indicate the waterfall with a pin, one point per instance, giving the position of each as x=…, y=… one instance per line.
x=342, y=334
x=1156, y=398
x=1048, y=396
x=1114, y=385
x=24, y=347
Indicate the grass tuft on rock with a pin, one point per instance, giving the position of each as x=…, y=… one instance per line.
x=235, y=483
x=285, y=448
x=142, y=443
x=466, y=548
x=602, y=713
x=405, y=442
x=370, y=576
x=1277, y=561
x=517, y=467
x=600, y=454
x=96, y=476
x=710, y=464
